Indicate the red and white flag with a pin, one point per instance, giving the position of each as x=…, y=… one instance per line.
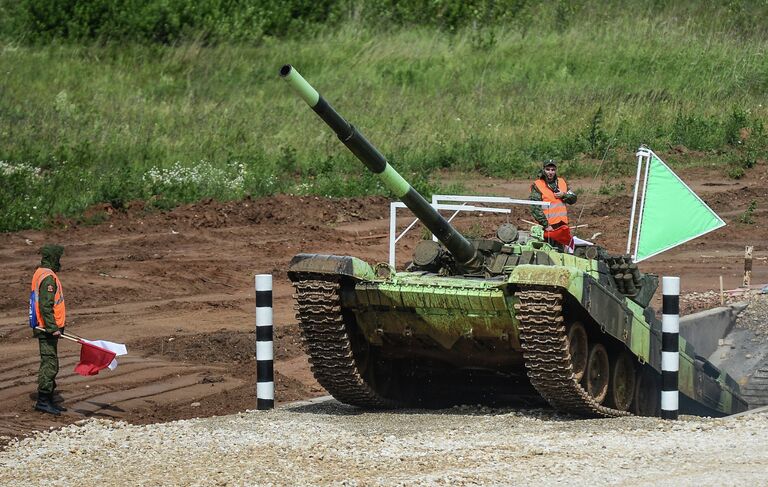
x=95, y=355
x=93, y=359
x=118, y=348
x=561, y=235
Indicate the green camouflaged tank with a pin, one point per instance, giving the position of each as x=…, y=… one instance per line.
x=507, y=321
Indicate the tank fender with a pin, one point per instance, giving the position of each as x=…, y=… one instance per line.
x=568, y=278
x=330, y=264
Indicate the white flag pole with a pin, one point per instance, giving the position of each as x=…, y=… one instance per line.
x=639, y=155
x=72, y=339
x=647, y=156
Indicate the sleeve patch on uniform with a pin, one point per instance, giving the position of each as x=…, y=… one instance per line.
x=50, y=288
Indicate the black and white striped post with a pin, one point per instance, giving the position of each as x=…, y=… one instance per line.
x=265, y=380
x=670, y=346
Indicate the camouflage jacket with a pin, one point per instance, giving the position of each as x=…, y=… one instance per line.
x=46, y=295
x=536, y=210
x=47, y=290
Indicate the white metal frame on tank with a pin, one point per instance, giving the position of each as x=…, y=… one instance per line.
x=456, y=208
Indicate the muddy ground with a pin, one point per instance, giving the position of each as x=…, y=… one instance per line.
x=177, y=288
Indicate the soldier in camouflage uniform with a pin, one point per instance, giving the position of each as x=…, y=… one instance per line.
x=554, y=190
x=48, y=310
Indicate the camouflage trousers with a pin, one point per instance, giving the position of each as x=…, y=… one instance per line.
x=49, y=363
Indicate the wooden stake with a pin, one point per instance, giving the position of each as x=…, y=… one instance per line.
x=722, y=294
x=748, y=265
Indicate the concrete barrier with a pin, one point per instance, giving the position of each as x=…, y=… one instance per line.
x=703, y=330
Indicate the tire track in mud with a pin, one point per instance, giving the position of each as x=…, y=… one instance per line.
x=187, y=388
x=139, y=383
x=136, y=369
x=68, y=376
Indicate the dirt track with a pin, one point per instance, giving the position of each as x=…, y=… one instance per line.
x=177, y=287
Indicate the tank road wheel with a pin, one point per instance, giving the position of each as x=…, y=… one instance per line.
x=621, y=390
x=597, y=373
x=647, y=393
x=578, y=348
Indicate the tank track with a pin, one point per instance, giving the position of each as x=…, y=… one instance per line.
x=755, y=392
x=318, y=310
x=545, y=349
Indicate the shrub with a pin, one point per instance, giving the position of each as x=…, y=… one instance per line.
x=748, y=217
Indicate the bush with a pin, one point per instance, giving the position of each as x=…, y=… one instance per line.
x=748, y=217
x=168, y=21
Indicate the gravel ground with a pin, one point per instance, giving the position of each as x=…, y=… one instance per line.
x=328, y=443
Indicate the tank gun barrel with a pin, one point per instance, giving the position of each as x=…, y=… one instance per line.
x=462, y=250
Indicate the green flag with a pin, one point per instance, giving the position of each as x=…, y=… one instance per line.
x=672, y=213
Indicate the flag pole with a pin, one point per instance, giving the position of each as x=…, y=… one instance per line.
x=69, y=333
x=648, y=156
x=639, y=155
x=70, y=338
x=62, y=335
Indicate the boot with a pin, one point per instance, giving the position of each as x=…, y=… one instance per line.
x=56, y=402
x=45, y=405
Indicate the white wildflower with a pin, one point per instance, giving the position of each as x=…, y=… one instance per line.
x=9, y=169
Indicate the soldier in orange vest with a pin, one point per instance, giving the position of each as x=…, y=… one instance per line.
x=47, y=312
x=553, y=190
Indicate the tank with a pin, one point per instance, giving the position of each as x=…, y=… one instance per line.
x=511, y=320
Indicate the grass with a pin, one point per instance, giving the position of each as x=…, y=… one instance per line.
x=171, y=124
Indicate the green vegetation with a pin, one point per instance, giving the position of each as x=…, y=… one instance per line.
x=608, y=189
x=127, y=101
x=748, y=217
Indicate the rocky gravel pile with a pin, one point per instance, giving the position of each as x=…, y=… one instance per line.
x=694, y=301
x=755, y=317
x=328, y=443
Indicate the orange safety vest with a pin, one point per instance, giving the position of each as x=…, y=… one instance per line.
x=556, y=212
x=59, y=309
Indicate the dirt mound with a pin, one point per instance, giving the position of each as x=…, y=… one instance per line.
x=209, y=213
x=222, y=346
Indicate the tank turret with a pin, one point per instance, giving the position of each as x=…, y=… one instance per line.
x=462, y=250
